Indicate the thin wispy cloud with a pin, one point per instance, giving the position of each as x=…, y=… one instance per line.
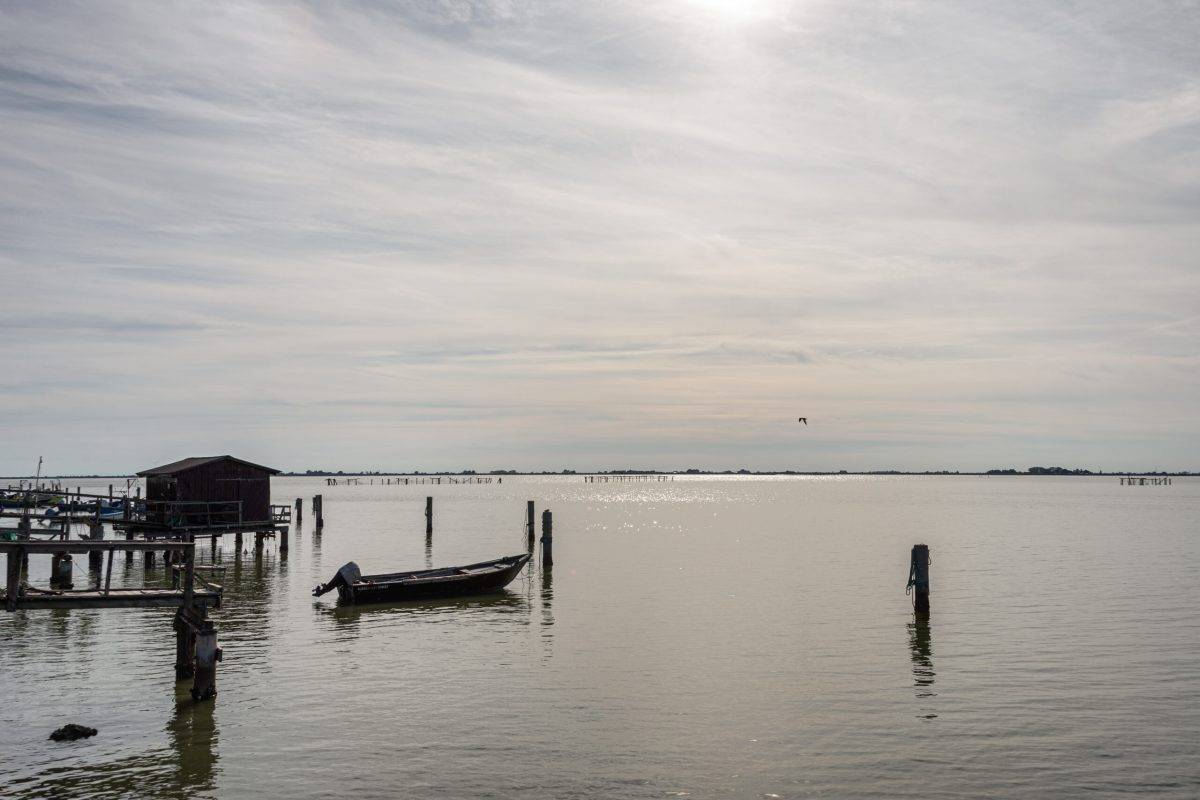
x=951, y=235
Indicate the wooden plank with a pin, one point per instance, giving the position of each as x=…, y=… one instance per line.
x=118, y=598
x=90, y=545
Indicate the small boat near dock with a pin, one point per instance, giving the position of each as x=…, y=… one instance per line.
x=486, y=576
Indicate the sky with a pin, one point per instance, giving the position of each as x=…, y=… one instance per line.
x=561, y=235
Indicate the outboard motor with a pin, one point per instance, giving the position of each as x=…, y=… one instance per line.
x=346, y=576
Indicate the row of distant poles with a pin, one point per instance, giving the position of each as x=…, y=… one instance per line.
x=547, y=539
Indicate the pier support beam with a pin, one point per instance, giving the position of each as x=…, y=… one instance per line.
x=95, y=533
x=918, y=578
x=547, y=539
x=185, y=647
x=13, y=580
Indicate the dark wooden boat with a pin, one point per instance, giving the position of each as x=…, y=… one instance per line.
x=481, y=578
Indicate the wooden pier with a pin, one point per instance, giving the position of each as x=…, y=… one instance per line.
x=412, y=480
x=627, y=478
x=147, y=527
x=1132, y=480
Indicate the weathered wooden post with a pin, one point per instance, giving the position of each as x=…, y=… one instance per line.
x=918, y=578
x=149, y=560
x=204, y=682
x=299, y=510
x=530, y=525
x=428, y=516
x=547, y=539
x=60, y=571
x=95, y=533
x=12, y=583
x=185, y=646
x=318, y=510
x=258, y=541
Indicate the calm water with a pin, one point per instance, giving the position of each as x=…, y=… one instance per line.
x=700, y=638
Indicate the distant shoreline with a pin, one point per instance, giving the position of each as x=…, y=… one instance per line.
x=1044, y=472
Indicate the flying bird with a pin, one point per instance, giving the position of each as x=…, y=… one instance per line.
x=804, y=420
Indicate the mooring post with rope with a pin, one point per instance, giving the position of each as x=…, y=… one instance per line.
x=918, y=578
x=530, y=525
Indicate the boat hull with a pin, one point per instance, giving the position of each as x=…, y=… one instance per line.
x=484, y=578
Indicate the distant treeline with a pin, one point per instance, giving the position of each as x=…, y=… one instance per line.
x=324, y=473
x=1029, y=471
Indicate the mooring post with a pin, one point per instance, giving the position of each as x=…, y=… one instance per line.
x=60, y=571
x=547, y=539
x=12, y=585
x=428, y=516
x=918, y=578
x=318, y=510
x=204, y=683
x=299, y=510
x=95, y=532
x=185, y=646
x=128, y=553
x=530, y=525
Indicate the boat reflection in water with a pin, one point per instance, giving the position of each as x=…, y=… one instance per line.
x=920, y=644
x=496, y=604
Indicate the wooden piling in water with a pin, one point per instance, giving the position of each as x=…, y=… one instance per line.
x=429, y=516
x=12, y=583
x=60, y=571
x=204, y=682
x=299, y=510
x=95, y=533
x=318, y=510
x=918, y=578
x=530, y=525
x=547, y=539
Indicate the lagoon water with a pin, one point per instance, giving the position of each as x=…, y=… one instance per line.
x=706, y=637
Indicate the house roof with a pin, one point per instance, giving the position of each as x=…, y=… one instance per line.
x=176, y=467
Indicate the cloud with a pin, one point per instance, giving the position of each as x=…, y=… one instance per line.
x=600, y=233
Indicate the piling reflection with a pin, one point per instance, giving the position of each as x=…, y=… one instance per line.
x=920, y=645
x=192, y=731
x=547, y=594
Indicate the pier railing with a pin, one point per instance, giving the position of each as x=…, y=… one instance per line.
x=183, y=515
